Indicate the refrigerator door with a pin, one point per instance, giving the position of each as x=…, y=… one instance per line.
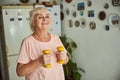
x=12, y=68
x=16, y=27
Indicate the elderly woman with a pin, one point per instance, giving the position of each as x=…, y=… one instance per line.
x=31, y=59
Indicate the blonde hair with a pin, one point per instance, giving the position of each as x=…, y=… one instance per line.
x=33, y=13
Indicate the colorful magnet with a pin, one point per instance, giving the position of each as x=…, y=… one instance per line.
x=68, y=1
x=61, y=6
x=74, y=14
x=24, y=1
x=82, y=22
x=106, y=6
x=55, y=14
x=54, y=2
x=91, y=13
x=116, y=2
x=92, y=25
x=102, y=15
x=114, y=20
x=107, y=27
x=89, y=3
x=67, y=11
x=6, y=13
x=81, y=12
x=77, y=23
x=80, y=6
x=70, y=22
x=62, y=15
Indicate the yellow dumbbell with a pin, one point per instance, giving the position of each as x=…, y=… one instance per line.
x=47, y=51
x=60, y=49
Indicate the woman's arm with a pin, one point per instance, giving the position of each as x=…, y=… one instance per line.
x=24, y=69
x=66, y=60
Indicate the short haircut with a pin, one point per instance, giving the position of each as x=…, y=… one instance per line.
x=33, y=13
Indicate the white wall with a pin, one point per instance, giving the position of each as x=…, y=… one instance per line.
x=98, y=51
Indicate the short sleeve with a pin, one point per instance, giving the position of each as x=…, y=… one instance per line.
x=24, y=52
x=59, y=42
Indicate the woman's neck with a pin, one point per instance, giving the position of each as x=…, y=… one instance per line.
x=42, y=36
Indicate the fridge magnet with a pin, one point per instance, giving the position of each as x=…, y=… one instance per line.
x=62, y=15
x=24, y=1
x=82, y=22
x=55, y=14
x=92, y=25
x=89, y=3
x=47, y=3
x=54, y=2
x=116, y=2
x=73, y=5
x=70, y=22
x=107, y=27
x=81, y=12
x=6, y=13
x=67, y=11
x=106, y=6
x=114, y=20
x=74, y=14
x=91, y=13
x=102, y=15
x=77, y=23
x=68, y=1
x=80, y=6
x=61, y=6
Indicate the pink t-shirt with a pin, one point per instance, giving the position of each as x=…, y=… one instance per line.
x=31, y=49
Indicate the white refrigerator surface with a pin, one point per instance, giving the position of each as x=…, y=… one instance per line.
x=16, y=27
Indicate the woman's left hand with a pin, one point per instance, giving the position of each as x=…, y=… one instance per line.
x=61, y=55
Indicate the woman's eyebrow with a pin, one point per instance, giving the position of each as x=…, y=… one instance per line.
x=48, y=14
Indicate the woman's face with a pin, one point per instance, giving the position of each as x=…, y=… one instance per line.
x=42, y=19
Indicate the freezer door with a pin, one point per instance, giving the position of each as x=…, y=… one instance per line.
x=12, y=68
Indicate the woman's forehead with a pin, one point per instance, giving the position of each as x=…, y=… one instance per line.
x=40, y=14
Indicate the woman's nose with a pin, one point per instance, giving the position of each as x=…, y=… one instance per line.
x=43, y=18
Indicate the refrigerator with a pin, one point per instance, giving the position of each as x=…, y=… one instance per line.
x=16, y=27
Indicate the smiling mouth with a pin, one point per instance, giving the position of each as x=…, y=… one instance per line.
x=45, y=23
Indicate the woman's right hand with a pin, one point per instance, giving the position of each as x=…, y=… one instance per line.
x=47, y=59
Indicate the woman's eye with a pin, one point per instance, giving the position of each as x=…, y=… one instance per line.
x=42, y=17
x=47, y=17
x=39, y=17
